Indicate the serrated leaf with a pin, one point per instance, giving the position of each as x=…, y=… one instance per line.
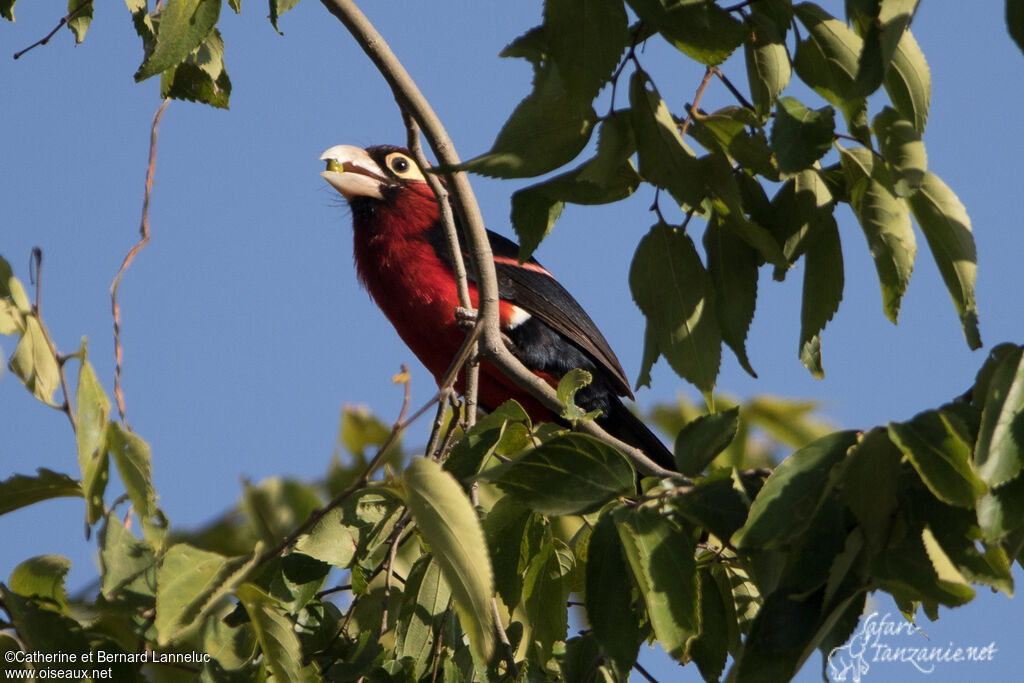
x=870, y=484
x=940, y=455
x=80, y=12
x=184, y=25
x=276, y=635
x=608, y=598
x=586, y=39
x=909, y=82
x=827, y=60
x=132, y=458
x=19, y=490
x=424, y=604
x=514, y=534
x=570, y=474
x=660, y=556
x=546, y=587
x=676, y=294
x=701, y=440
x=42, y=578
x=201, y=77
x=768, y=67
x=946, y=226
x=663, y=157
x=881, y=29
x=710, y=648
x=717, y=502
x=277, y=8
x=448, y=524
x=1001, y=510
x=736, y=133
x=189, y=582
x=546, y=130
x=799, y=206
x=886, y=224
x=999, y=451
x=732, y=265
x=901, y=146
x=702, y=31
x=790, y=496
x=800, y=136
x=822, y=291
x=34, y=363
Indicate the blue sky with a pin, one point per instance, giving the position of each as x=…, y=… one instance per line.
x=245, y=330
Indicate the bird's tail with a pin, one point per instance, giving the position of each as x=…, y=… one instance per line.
x=620, y=422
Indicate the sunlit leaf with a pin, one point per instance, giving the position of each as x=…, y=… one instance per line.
x=424, y=604
x=901, y=146
x=768, y=67
x=703, y=31
x=201, y=77
x=448, y=523
x=909, y=82
x=80, y=12
x=33, y=361
x=276, y=635
x=19, y=490
x=42, y=577
x=132, y=458
x=881, y=29
x=546, y=587
x=184, y=25
x=999, y=452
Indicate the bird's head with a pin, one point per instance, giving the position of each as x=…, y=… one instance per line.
x=376, y=180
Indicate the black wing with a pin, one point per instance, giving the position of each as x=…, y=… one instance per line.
x=536, y=291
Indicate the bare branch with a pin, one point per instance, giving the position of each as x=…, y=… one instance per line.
x=130, y=256
x=64, y=20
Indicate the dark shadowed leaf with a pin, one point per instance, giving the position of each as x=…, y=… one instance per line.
x=703, y=31
x=514, y=535
x=19, y=490
x=736, y=133
x=732, y=264
x=716, y=502
x=710, y=649
x=801, y=136
x=823, y=290
x=567, y=475
x=901, y=146
x=277, y=8
x=1001, y=510
x=80, y=12
x=201, y=77
x=546, y=588
x=448, y=524
x=946, y=226
x=128, y=567
x=790, y=496
x=881, y=28
x=586, y=39
x=609, y=599
x=276, y=635
x=40, y=628
x=660, y=555
x=999, y=452
x=664, y=158
x=937, y=449
x=548, y=129
x=703, y=439
x=676, y=294
x=491, y=432
x=184, y=25
x=1014, y=21
x=871, y=483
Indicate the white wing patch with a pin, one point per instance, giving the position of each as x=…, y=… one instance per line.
x=519, y=316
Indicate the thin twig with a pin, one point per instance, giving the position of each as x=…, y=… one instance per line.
x=739, y=5
x=506, y=646
x=64, y=20
x=733, y=89
x=643, y=672
x=35, y=274
x=390, y=568
x=696, y=100
x=130, y=256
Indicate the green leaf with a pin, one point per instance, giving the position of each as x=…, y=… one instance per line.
x=277, y=8
x=92, y=408
x=677, y=296
x=40, y=628
x=909, y=82
x=514, y=535
x=999, y=451
x=184, y=25
x=330, y=540
x=189, y=583
x=710, y=648
x=42, y=577
x=717, y=502
x=700, y=30
x=546, y=588
x=11, y=288
x=34, y=363
x=570, y=474
x=448, y=524
x=703, y=439
x=660, y=556
x=504, y=430
x=1014, y=21
x=132, y=457
x=946, y=226
x=609, y=601
x=827, y=60
x=19, y=490
x=801, y=136
x=736, y=133
x=768, y=67
x=732, y=265
x=80, y=12
x=546, y=130
x=789, y=498
x=797, y=209
x=7, y=9
x=940, y=455
x=870, y=484
x=201, y=77
x=881, y=30
x=663, y=157
x=1001, y=510
x=822, y=292
x=586, y=39
x=901, y=146
x=128, y=567
x=886, y=224
x=572, y=382
x=275, y=632
x=424, y=604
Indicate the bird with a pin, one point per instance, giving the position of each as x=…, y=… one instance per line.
x=402, y=258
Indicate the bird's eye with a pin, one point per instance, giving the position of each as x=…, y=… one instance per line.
x=399, y=165
x=402, y=167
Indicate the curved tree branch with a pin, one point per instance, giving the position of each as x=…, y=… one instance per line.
x=491, y=345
